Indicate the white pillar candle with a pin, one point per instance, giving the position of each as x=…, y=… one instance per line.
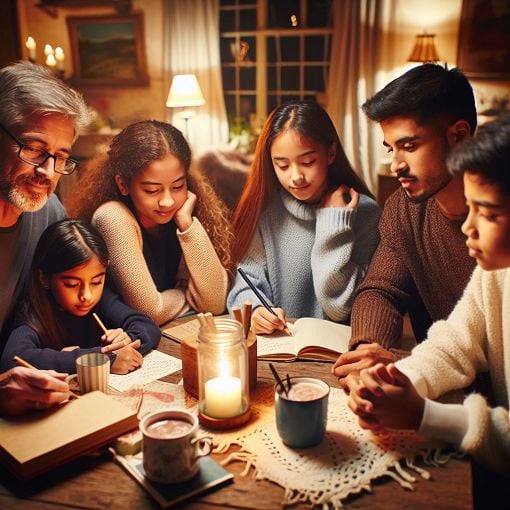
x=223, y=397
x=30, y=45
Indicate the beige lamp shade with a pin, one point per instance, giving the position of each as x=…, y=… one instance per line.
x=185, y=91
x=424, y=49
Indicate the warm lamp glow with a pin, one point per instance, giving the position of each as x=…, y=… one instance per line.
x=185, y=91
x=424, y=49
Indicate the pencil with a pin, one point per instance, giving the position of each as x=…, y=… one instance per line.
x=263, y=302
x=25, y=364
x=99, y=322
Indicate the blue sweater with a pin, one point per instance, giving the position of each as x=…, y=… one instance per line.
x=83, y=331
x=309, y=260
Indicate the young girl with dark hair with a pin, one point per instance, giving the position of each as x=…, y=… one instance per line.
x=305, y=227
x=66, y=285
x=167, y=231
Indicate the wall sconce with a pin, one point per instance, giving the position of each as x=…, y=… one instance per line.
x=185, y=92
x=424, y=49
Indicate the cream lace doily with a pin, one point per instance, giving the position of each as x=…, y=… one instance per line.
x=345, y=463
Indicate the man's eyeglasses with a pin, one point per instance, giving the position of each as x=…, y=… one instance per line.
x=37, y=157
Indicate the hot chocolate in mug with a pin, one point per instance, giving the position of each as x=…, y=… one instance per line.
x=171, y=448
x=302, y=413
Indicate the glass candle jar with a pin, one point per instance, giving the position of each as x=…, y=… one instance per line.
x=224, y=395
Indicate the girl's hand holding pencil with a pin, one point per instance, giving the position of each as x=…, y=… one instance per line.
x=264, y=322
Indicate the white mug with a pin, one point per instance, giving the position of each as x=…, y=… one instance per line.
x=171, y=448
x=92, y=372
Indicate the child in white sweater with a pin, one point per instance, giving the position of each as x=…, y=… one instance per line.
x=476, y=336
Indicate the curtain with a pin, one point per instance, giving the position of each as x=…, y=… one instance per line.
x=191, y=46
x=355, y=60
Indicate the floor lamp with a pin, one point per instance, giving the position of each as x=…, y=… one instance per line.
x=185, y=93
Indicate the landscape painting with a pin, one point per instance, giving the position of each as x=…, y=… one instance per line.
x=108, y=50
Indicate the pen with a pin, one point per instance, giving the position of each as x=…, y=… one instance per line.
x=260, y=297
x=25, y=364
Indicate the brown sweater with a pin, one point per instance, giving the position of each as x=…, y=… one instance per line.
x=421, y=267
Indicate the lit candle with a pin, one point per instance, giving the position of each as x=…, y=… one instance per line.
x=59, y=56
x=30, y=45
x=223, y=397
x=48, y=50
x=50, y=61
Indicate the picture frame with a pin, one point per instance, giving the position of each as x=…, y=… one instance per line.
x=484, y=39
x=108, y=51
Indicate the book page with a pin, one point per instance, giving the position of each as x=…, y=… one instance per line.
x=326, y=334
x=181, y=332
x=278, y=343
x=156, y=364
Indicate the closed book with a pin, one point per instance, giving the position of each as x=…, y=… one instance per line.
x=39, y=441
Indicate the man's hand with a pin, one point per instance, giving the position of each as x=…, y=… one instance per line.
x=352, y=362
x=23, y=389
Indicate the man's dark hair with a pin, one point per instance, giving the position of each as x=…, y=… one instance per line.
x=426, y=92
x=487, y=154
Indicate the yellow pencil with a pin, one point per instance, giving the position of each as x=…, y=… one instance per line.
x=99, y=322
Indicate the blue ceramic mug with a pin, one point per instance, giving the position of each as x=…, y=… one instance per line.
x=302, y=413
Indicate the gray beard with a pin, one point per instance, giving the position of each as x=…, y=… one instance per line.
x=24, y=201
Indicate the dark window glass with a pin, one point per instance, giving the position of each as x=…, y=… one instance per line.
x=252, y=48
x=287, y=98
x=314, y=48
x=290, y=49
x=247, y=105
x=290, y=78
x=314, y=79
x=226, y=52
x=228, y=2
x=279, y=13
x=271, y=49
x=247, y=19
x=230, y=105
x=227, y=21
x=271, y=78
x=229, y=78
x=272, y=102
x=248, y=78
x=319, y=13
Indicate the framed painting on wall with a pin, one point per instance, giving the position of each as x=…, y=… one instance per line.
x=484, y=39
x=108, y=50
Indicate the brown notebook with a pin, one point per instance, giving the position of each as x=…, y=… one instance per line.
x=34, y=443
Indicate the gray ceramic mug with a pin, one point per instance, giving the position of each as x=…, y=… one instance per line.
x=171, y=448
x=302, y=415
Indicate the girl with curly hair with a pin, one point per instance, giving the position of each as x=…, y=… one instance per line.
x=167, y=231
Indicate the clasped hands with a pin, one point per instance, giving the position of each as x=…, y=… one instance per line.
x=379, y=393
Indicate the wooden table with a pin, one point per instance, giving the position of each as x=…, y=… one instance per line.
x=97, y=482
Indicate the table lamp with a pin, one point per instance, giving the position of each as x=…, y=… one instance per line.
x=224, y=396
x=184, y=93
x=424, y=49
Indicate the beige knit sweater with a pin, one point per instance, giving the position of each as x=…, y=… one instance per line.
x=475, y=338
x=202, y=280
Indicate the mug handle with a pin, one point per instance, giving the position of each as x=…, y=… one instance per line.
x=204, y=445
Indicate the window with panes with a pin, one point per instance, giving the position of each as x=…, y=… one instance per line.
x=273, y=51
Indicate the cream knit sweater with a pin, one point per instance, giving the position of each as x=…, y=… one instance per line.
x=475, y=338
x=202, y=280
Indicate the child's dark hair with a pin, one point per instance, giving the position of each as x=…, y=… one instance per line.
x=487, y=154
x=428, y=92
x=63, y=245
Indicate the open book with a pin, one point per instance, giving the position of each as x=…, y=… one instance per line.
x=313, y=339
x=34, y=443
